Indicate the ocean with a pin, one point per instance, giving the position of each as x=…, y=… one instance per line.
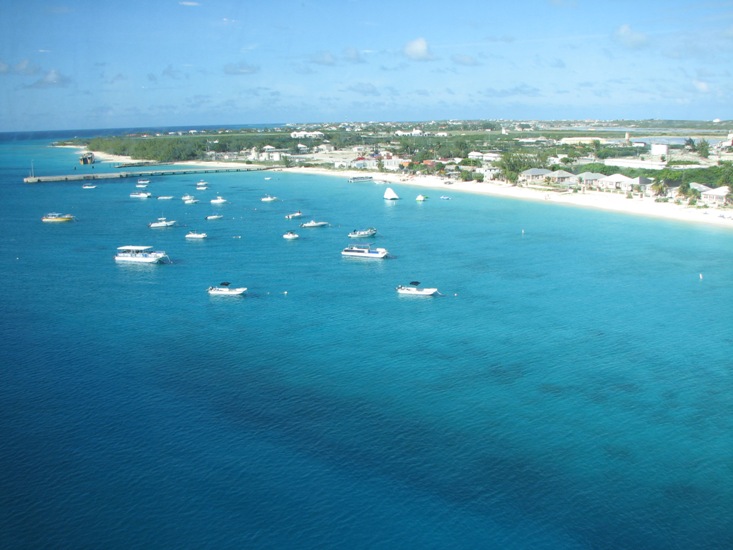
x=571, y=387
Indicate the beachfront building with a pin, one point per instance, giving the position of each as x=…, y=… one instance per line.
x=534, y=175
x=615, y=182
x=716, y=197
x=562, y=178
x=590, y=179
x=699, y=187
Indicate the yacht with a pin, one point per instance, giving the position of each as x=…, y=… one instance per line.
x=364, y=251
x=139, y=254
x=225, y=290
x=314, y=223
x=414, y=290
x=196, y=235
x=162, y=222
x=55, y=217
x=141, y=195
x=268, y=198
x=362, y=233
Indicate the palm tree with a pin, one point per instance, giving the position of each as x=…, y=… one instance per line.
x=660, y=187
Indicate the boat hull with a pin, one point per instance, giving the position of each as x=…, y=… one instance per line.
x=216, y=291
x=412, y=291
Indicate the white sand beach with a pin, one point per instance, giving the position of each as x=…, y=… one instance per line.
x=616, y=202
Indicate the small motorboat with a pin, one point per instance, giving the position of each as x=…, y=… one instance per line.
x=190, y=201
x=142, y=182
x=196, y=235
x=444, y=197
x=88, y=186
x=140, y=255
x=141, y=195
x=268, y=198
x=165, y=197
x=225, y=290
x=290, y=235
x=186, y=197
x=162, y=222
x=214, y=217
x=421, y=198
x=297, y=214
x=413, y=289
x=314, y=223
x=362, y=233
x=55, y=217
x=218, y=200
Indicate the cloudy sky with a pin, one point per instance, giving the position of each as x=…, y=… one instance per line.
x=73, y=64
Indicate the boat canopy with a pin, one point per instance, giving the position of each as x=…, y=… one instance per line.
x=134, y=248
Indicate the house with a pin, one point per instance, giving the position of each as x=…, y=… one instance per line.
x=699, y=187
x=534, y=175
x=641, y=183
x=615, y=181
x=562, y=178
x=715, y=197
x=590, y=178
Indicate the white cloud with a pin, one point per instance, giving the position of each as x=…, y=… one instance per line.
x=52, y=79
x=189, y=4
x=352, y=55
x=323, y=58
x=240, y=68
x=418, y=50
x=631, y=38
x=466, y=60
x=701, y=86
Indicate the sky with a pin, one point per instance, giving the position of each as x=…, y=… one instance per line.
x=79, y=64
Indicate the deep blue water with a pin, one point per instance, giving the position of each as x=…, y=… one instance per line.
x=572, y=387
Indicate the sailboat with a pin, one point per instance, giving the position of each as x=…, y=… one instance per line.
x=390, y=195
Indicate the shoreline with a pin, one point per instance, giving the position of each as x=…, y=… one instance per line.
x=598, y=200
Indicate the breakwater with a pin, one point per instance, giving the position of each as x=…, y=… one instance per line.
x=135, y=174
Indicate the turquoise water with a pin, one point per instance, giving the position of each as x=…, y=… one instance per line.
x=571, y=388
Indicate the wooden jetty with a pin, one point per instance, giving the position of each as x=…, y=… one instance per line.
x=136, y=174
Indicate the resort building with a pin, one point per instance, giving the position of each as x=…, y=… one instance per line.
x=715, y=197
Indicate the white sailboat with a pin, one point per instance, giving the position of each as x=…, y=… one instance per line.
x=390, y=195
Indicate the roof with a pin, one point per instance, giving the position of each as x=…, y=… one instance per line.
x=717, y=192
x=536, y=172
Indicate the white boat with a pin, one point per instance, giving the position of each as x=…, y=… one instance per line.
x=187, y=197
x=359, y=179
x=55, y=217
x=225, y=290
x=297, y=214
x=414, y=290
x=142, y=182
x=162, y=222
x=390, y=195
x=290, y=235
x=190, y=201
x=196, y=235
x=140, y=195
x=139, y=254
x=214, y=217
x=362, y=233
x=314, y=223
x=364, y=251
x=165, y=197
x=268, y=198
x=421, y=198
x=218, y=200
x=141, y=185
x=444, y=197
x=201, y=187
x=202, y=183
x=88, y=186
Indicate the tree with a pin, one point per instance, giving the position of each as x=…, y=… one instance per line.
x=659, y=187
x=703, y=148
x=512, y=163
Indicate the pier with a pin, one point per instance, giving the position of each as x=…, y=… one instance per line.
x=136, y=174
